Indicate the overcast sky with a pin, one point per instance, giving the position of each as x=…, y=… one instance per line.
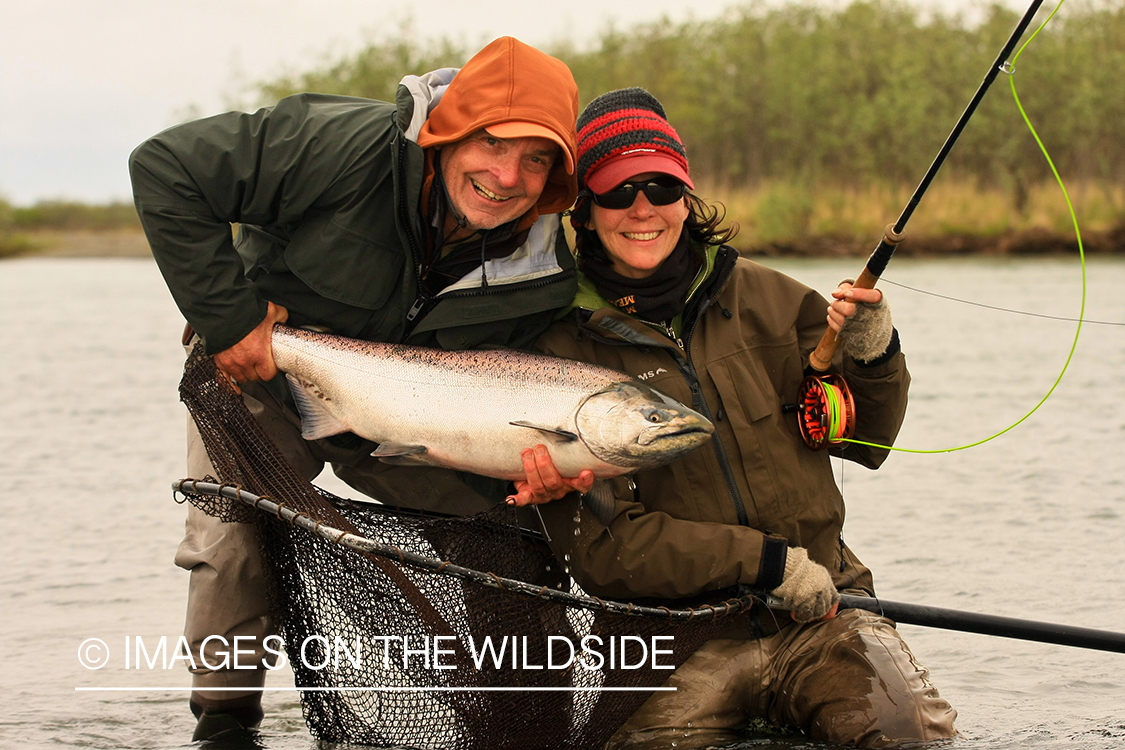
x=82, y=83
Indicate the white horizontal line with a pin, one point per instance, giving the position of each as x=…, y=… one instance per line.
x=391, y=689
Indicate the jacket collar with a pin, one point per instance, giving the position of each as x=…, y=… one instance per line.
x=595, y=314
x=590, y=300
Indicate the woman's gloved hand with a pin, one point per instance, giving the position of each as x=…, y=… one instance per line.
x=862, y=319
x=806, y=589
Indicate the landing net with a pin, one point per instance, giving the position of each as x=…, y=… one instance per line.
x=431, y=632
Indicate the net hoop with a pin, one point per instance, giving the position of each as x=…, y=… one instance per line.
x=192, y=487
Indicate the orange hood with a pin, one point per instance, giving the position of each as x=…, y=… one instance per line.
x=508, y=81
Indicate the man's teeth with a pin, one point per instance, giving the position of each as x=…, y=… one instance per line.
x=641, y=236
x=489, y=194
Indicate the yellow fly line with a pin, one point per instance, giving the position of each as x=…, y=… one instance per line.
x=1009, y=69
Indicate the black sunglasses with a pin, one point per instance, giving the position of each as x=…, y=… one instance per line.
x=658, y=193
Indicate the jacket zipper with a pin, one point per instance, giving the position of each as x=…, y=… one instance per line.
x=423, y=299
x=687, y=369
x=682, y=356
x=720, y=451
x=415, y=250
x=495, y=289
x=672, y=335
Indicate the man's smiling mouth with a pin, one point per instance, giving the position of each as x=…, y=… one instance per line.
x=485, y=192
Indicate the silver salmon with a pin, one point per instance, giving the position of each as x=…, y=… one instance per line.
x=476, y=410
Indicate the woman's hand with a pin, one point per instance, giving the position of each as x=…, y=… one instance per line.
x=861, y=319
x=544, y=483
x=845, y=303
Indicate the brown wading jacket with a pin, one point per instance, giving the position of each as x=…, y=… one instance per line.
x=724, y=514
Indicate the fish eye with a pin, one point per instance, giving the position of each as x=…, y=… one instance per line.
x=654, y=416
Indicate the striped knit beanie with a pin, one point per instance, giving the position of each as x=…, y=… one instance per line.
x=625, y=133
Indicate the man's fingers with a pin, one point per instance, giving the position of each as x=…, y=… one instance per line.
x=543, y=481
x=234, y=382
x=277, y=313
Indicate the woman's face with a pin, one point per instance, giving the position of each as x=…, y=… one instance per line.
x=639, y=238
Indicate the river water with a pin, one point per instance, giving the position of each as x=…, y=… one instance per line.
x=1029, y=525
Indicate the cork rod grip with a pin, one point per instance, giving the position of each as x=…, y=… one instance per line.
x=821, y=358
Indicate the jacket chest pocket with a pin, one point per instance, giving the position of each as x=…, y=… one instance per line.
x=343, y=266
x=768, y=450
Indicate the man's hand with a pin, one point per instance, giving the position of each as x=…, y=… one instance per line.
x=806, y=589
x=252, y=358
x=544, y=483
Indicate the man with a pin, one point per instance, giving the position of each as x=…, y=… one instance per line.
x=431, y=221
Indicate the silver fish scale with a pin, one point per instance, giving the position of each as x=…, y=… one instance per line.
x=456, y=404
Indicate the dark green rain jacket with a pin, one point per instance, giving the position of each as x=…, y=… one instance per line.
x=326, y=191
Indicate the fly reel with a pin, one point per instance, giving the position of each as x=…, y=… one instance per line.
x=825, y=410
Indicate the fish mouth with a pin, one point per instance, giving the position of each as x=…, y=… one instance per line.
x=684, y=433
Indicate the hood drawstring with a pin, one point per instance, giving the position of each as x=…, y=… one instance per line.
x=483, y=259
x=439, y=204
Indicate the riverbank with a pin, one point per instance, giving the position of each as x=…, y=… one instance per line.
x=1031, y=242
x=130, y=243
x=75, y=243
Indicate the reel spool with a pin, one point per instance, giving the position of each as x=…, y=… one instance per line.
x=825, y=410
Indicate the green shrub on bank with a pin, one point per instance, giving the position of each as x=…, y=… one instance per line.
x=68, y=215
x=22, y=229
x=12, y=244
x=856, y=96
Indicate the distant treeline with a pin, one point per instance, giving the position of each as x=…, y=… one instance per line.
x=814, y=122
x=846, y=97
x=23, y=228
x=67, y=215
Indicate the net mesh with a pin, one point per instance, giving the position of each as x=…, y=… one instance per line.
x=459, y=661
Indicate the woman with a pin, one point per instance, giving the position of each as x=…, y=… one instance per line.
x=662, y=298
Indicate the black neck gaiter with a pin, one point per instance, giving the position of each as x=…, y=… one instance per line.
x=658, y=297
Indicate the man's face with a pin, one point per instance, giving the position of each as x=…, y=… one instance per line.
x=491, y=180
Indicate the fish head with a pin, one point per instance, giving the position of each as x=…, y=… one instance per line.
x=633, y=426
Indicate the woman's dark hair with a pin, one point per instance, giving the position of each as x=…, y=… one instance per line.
x=702, y=224
x=704, y=220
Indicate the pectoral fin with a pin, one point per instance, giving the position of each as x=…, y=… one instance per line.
x=553, y=431
x=316, y=421
x=601, y=501
x=401, y=455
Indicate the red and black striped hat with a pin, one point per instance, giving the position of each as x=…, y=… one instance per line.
x=625, y=133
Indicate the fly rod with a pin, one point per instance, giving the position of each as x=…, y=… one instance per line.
x=974, y=622
x=821, y=358
x=1005, y=627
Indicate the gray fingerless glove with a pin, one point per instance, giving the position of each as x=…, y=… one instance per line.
x=867, y=334
x=806, y=590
